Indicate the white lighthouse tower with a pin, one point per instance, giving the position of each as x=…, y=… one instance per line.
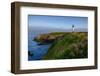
x=73, y=28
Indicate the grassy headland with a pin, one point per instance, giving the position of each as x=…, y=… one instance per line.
x=65, y=45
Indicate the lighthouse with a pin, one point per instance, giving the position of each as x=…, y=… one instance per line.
x=73, y=29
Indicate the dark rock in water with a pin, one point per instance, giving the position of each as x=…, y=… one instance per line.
x=30, y=53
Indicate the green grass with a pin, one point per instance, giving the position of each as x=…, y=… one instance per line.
x=70, y=45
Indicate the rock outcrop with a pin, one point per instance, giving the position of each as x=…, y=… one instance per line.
x=48, y=38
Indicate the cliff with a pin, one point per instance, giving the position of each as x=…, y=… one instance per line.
x=65, y=45
x=48, y=38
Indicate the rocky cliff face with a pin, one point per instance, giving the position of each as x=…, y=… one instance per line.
x=48, y=38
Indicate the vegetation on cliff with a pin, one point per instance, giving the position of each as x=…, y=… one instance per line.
x=65, y=45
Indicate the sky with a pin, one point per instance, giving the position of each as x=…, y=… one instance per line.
x=64, y=22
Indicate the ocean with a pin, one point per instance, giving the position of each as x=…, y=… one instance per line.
x=37, y=51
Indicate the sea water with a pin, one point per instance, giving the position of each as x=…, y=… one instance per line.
x=37, y=51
